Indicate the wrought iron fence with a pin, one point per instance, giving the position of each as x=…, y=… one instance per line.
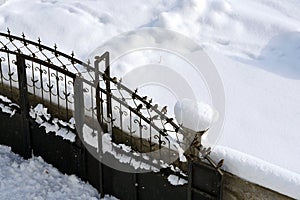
x=32, y=73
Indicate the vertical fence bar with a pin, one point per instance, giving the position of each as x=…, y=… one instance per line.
x=79, y=116
x=99, y=119
x=190, y=180
x=24, y=105
x=107, y=82
x=136, y=186
x=98, y=102
x=1, y=73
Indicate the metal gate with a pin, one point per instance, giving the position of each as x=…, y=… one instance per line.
x=205, y=182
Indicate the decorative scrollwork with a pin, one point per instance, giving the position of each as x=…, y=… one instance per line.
x=130, y=130
x=160, y=141
x=139, y=122
x=122, y=112
x=57, y=77
x=42, y=71
x=70, y=82
x=50, y=86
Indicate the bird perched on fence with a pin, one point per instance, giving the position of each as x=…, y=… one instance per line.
x=164, y=110
x=155, y=107
x=220, y=164
x=114, y=80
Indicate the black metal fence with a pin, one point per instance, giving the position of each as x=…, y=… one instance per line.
x=32, y=73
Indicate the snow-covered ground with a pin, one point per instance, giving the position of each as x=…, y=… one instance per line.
x=35, y=179
x=255, y=45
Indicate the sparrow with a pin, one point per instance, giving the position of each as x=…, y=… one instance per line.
x=164, y=110
x=220, y=163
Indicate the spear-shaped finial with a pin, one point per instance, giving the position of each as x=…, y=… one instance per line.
x=39, y=41
x=24, y=41
x=55, y=50
x=72, y=60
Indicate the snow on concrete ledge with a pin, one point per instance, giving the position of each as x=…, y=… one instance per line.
x=258, y=171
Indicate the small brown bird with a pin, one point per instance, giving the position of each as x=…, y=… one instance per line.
x=169, y=120
x=164, y=110
x=144, y=98
x=155, y=107
x=139, y=107
x=220, y=164
x=114, y=80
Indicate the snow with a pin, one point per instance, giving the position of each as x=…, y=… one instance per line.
x=175, y=180
x=7, y=109
x=35, y=179
x=125, y=154
x=42, y=117
x=258, y=171
x=197, y=116
x=253, y=43
x=109, y=147
x=90, y=136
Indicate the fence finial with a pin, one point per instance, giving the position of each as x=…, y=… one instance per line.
x=24, y=40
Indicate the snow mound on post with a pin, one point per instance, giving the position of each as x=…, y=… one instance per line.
x=193, y=115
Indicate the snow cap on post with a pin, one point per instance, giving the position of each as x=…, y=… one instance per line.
x=197, y=116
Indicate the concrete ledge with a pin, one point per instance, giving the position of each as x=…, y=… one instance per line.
x=235, y=188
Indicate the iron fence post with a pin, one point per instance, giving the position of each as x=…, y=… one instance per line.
x=190, y=179
x=136, y=189
x=24, y=105
x=107, y=73
x=79, y=112
x=107, y=83
x=99, y=115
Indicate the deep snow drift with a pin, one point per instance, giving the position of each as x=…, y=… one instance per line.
x=253, y=43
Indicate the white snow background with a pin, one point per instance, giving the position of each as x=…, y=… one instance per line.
x=255, y=45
